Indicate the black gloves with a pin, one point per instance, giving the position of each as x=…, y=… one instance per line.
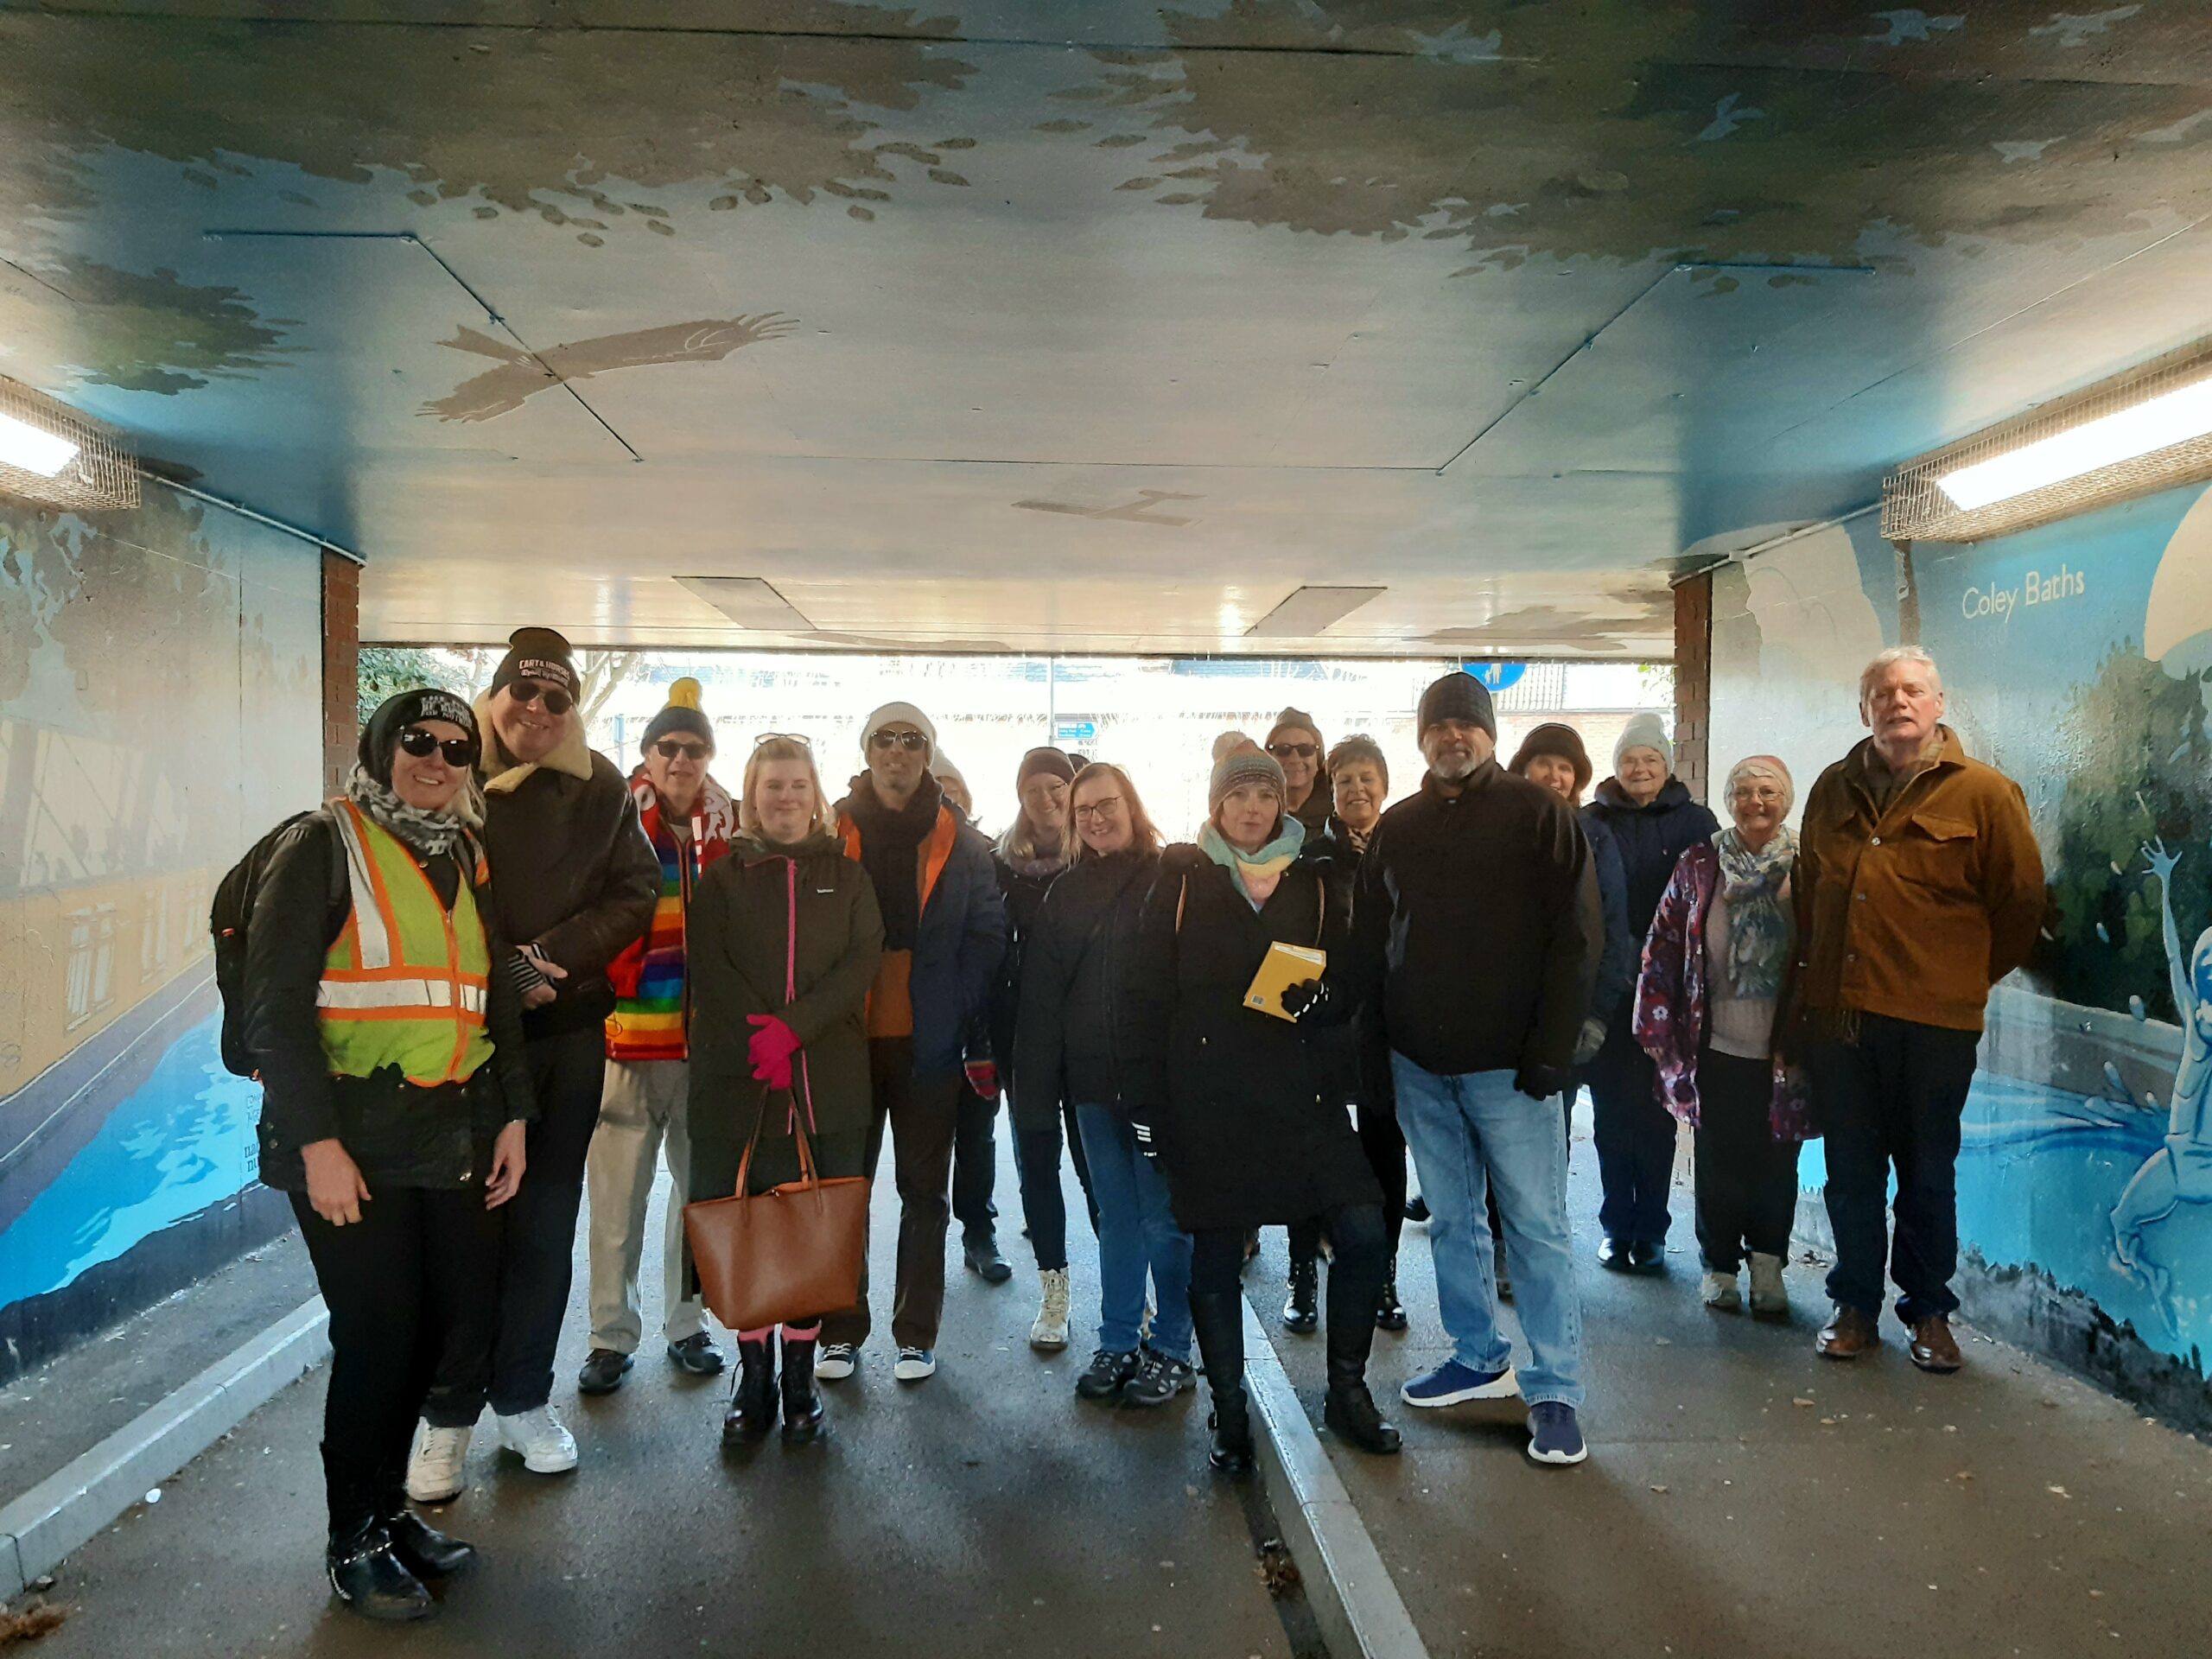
x=1544, y=1082
x=1307, y=996
x=1147, y=1143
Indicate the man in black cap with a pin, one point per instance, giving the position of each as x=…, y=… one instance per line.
x=1473, y=917
x=573, y=881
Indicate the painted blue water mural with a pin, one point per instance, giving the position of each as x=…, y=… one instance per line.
x=181, y=1140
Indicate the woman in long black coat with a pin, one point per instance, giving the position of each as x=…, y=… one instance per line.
x=1236, y=1104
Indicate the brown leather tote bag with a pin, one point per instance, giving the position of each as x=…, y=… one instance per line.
x=789, y=1253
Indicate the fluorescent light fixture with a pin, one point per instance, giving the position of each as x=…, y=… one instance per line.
x=1308, y=611
x=2173, y=418
x=749, y=601
x=32, y=448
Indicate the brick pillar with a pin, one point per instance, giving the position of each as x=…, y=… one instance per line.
x=341, y=668
x=1694, y=684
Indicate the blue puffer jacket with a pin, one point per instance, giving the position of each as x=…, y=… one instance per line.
x=1651, y=840
x=1618, y=961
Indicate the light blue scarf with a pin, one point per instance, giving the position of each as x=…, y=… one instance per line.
x=1271, y=860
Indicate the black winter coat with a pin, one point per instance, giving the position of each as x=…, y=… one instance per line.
x=1024, y=891
x=399, y=1134
x=1249, y=1131
x=1652, y=840
x=1067, y=1046
x=574, y=874
x=1476, y=924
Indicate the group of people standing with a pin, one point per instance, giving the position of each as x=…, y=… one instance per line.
x=525, y=972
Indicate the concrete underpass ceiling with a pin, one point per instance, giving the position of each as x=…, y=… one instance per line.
x=1089, y=325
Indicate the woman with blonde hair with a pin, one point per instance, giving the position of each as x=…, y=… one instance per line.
x=1068, y=1055
x=784, y=937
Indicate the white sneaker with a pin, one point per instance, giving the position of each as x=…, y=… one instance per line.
x=1720, y=1294
x=1769, y=1296
x=1050, y=1330
x=435, y=1472
x=836, y=1360
x=545, y=1443
x=915, y=1364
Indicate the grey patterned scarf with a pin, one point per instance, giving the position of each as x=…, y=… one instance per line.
x=1760, y=929
x=427, y=833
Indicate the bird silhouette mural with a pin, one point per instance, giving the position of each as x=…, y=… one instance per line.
x=521, y=374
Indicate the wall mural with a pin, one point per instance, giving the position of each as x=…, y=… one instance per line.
x=522, y=375
x=160, y=696
x=2077, y=659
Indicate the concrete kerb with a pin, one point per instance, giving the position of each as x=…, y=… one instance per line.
x=69, y=1507
x=1354, y=1600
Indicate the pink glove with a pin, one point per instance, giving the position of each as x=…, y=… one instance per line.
x=983, y=1077
x=771, y=1050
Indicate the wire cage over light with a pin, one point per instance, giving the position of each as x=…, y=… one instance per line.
x=54, y=456
x=2148, y=428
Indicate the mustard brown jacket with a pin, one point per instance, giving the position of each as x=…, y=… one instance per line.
x=1915, y=909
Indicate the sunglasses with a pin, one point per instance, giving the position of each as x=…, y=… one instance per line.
x=458, y=752
x=525, y=692
x=887, y=739
x=671, y=748
x=1293, y=751
x=786, y=737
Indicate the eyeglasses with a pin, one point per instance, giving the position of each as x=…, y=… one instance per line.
x=783, y=737
x=1293, y=751
x=1759, y=796
x=526, y=692
x=458, y=752
x=1098, y=809
x=884, y=738
x=671, y=748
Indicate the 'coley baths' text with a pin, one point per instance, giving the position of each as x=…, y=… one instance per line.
x=2035, y=588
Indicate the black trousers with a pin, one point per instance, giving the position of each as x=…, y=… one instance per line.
x=921, y=1115
x=1044, y=1208
x=1384, y=1143
x=538, y=1251
x=1746, y=1179
x=1894, y=1098
x=413, y=1293
x=1358, y=1264
x=976, y=1165
x=1635, y=1136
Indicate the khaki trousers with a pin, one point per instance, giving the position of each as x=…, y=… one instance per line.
x=641, y=1112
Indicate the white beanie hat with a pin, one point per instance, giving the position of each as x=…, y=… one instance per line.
x=904, y=712
x=1645, y=731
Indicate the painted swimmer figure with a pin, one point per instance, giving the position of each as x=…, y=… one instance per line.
x=2180, y=1172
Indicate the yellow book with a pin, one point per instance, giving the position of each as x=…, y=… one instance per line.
x=1285, y=965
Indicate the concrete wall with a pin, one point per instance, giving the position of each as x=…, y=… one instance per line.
x=160, y=707
x=2074, y=657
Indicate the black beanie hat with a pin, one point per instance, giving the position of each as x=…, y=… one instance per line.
x=1458, y=695
x=1043, y=760
x=1553, y=738
x=538, y=654
x=683, y=714
x=400, y=711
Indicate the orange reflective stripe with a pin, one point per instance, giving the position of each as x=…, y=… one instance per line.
x=936, y=852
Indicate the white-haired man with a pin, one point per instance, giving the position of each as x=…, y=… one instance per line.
x=1918, y=886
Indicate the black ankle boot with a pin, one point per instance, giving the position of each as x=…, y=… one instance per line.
x=803, y=1422
x=371, y=1579
x=1218, y=1323
x=1389, y=1312
x=751, y=1411
x=1302, y=1312
x=1350, y=1409
x=421, y=1548
x=1231, y=1423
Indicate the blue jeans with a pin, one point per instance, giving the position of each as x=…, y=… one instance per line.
x=1469, y=1134
x=1136, y=1233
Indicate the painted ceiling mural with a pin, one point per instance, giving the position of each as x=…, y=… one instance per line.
x=1291, y=268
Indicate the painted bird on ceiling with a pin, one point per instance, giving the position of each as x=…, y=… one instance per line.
x=522, y=374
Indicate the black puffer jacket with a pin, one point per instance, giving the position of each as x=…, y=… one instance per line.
x=400, y=1134
x=573, y=870
x=1249, y=1131
x=1067, y=1046
x=1023, y=887
x=1652, y=840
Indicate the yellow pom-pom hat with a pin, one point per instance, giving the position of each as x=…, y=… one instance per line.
x=683, y=714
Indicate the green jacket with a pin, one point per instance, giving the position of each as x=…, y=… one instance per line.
x=789, y=931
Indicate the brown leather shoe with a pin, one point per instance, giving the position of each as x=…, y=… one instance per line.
x=1847, y=1335
x=1934, y=1348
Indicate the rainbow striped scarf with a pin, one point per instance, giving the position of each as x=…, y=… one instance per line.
x=651, y=1006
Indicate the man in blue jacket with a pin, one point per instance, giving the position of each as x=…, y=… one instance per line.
x=944, y=931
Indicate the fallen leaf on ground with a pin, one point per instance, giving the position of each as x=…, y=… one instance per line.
x=1799, y=1400
x=28, y=1624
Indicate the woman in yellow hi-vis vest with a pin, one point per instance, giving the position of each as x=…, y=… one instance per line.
x=393, y=1106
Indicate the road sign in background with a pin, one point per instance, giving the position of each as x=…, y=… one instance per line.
x=1498, y=677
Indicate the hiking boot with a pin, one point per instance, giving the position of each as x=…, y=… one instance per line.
x=802, y=1414
x=1159, y=1379
x=1301, y=1314
x=1108, y=1373
x=751, y=1411
x=1769, y=1296
x=1051, y=1329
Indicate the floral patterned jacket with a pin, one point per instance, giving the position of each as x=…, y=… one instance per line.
x=1670, y=999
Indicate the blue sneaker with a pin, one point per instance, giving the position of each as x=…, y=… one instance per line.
x=1452, y=1383
x=1553, y=1435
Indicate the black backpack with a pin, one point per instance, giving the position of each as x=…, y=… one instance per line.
x=226, y=923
